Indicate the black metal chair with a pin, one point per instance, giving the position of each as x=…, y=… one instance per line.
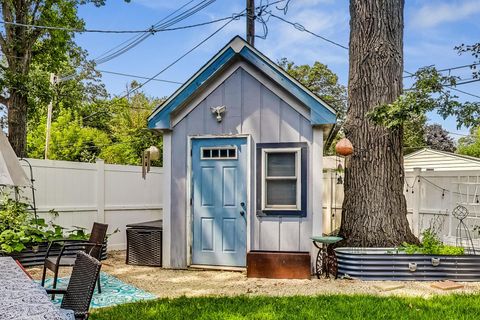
x=79, y=292
x=67, y=255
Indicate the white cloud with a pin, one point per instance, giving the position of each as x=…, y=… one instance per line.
x=433, y=15
x=286, y=41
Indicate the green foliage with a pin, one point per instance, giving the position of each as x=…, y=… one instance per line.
x=426, y=94
x=127, y=127
x=438, y=138
x=431, y=244
x=474, y=50
x=19, y=229
x=322, y=81
x=320, y=307
x=414, y=133
x=69, y=139
x=114, y=130
x=470, y=145
x=429, y=92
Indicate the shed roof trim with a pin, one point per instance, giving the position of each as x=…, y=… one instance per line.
x=320, y=111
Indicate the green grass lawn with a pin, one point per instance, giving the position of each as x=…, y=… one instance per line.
x=298, y=307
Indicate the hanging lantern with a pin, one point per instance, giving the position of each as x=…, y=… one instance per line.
x=154, y=153
x=344, y=147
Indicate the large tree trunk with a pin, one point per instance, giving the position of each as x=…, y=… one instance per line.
x=374, y=209
x=17, y=122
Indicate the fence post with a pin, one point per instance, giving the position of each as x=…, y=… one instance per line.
x=417, y=172
x=100, y=190
x=328, y=189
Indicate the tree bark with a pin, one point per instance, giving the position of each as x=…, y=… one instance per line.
x=374, y=210
x=17, y=122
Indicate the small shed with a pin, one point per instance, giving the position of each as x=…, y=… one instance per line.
x=435, y=160
x=242, y=156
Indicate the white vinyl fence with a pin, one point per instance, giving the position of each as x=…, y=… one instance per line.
x=86, y=192
x=431, y=198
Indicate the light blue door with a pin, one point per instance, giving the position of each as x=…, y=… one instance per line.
x=219, y=201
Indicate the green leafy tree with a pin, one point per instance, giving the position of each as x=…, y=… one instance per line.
x=128, y=129
x=323, y=82
x=438, y=138
x=22, y=47
x=470, y=145
x=414, y=134
x=69, y=140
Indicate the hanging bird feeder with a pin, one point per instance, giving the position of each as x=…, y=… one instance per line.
x=344, y=147
x=149, y=155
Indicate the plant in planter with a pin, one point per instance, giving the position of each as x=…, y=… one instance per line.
x=19, y=229
x=431, y=244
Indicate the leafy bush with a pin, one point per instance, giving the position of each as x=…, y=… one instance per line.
x=19, y=229
x=431, y=244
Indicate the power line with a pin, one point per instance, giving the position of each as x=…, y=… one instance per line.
x=300, y=27
x=198, y=45
x=453, y=68
x=137, y=76
x=180, y=58
x=158, y=22
x=464, y=92
x=33, y=26
x=152, y=29
x=164, y=23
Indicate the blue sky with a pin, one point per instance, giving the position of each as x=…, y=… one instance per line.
x=432, y=29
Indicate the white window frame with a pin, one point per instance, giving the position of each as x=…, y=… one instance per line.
x=298, y=177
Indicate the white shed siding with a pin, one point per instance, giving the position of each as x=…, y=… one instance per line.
x=440, y=161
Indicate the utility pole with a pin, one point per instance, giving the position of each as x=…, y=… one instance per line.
x=49, y=117
x=251, y=22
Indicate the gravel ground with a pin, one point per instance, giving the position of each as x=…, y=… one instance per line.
x=175, y=283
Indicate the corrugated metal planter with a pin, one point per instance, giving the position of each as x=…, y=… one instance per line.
x=389, y=264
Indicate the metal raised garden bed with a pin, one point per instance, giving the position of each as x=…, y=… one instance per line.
x=391, y=264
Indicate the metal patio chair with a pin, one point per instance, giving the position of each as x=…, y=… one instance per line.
x=79, y=292
x=67, y=255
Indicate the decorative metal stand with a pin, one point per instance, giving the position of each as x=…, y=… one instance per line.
x=32, y=187
x=462, y=233
x=326, y=263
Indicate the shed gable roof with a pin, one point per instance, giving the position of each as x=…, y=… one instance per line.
x=320, y=111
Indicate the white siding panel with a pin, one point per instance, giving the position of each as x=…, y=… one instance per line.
x=427, y=159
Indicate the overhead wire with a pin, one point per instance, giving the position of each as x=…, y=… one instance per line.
x=180, y=58
x=158, y=22
x=302, y=28
x=137, y=76
x=234, y=17
x=161, y=25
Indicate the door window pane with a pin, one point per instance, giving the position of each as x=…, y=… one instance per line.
x=281, y=192
x=281, y=164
